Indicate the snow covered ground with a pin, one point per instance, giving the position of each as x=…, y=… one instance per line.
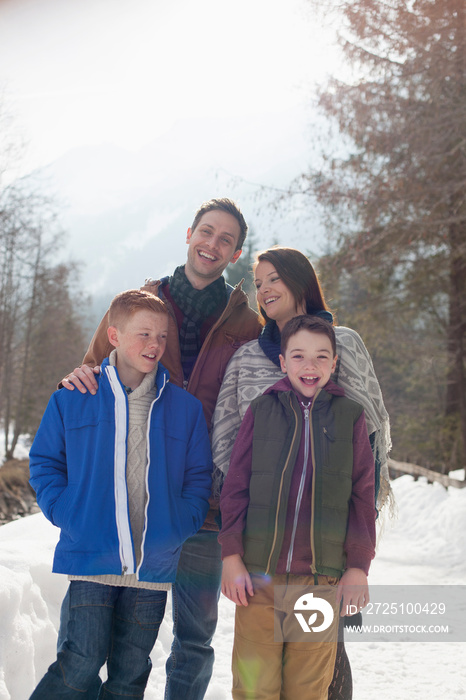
x=425, y=544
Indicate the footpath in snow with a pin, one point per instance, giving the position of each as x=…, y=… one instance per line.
x=425, y=544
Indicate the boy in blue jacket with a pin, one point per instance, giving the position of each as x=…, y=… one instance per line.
x=126, y=476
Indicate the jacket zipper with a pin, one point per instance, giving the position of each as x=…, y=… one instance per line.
x=313, y=493
x=121, y=494
x=301, y=486
x=143, y=540
x=275, y=534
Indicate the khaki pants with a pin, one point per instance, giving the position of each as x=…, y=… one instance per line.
x=266, y=669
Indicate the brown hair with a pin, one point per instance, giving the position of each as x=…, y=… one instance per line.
x=313, y=324
x=297, y=273
x=127, y=303
x=228, y=206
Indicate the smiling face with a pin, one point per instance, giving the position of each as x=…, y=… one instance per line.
x=140, y=343
x=274, y=296
x=309, y=361
x=212, y=245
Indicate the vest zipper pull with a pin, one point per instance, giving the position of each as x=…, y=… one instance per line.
x=301, y=486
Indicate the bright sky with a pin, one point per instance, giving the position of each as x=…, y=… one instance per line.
x=79, y=72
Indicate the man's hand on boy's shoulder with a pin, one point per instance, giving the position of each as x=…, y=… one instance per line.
x=236, y=582
x=83, y=378
x=352, y=591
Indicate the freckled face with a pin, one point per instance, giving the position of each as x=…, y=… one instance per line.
x=274, y=296
x=308, y=361
x=140, y=343
x=212, y=245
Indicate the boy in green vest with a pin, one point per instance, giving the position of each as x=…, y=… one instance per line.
x=297, y=509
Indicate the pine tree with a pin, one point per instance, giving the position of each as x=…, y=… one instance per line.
x=396, y=200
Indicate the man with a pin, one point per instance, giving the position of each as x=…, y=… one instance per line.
x=208, y=322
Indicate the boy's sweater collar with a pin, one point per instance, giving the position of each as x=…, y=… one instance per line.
x=147, y=383
x=158, y=376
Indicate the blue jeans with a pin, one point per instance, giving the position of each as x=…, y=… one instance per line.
x=92, y=692
x=106, y=623
x=195, y=601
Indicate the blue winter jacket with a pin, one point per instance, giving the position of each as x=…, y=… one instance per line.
x=78, y=470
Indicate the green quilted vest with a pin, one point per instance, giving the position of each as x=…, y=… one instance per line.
x=278, y=425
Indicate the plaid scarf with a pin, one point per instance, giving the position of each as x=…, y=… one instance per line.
x=196, y=305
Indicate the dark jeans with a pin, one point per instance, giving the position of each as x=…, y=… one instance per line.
x=93, y=690
x=195, y=601
x=106, y=623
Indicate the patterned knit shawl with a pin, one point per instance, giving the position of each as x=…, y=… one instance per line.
x=355, y=373
x=196, y=305
x=248, y=376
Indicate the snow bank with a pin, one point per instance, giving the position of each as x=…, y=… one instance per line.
x=425, y=544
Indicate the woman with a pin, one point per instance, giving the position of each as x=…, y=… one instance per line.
x=287, y=286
